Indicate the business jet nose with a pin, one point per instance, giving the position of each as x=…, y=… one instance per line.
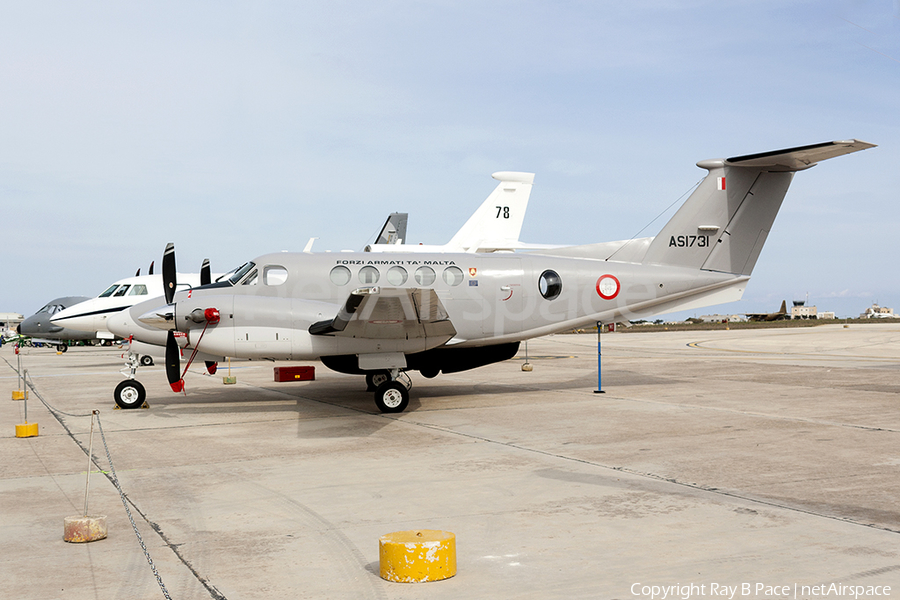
x=161, y=318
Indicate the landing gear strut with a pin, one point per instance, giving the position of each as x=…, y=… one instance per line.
x=130, y=393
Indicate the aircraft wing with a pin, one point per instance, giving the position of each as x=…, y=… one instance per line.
x=389, y=313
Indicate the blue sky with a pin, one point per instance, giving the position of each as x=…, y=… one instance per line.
x=235, y=129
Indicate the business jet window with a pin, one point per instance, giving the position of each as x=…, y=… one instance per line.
x=550, y=285
x=369, y=275
x=397, y=275
x=109, y=291
x=274, y=275
x=424, y=275
x=340, y=275
x=121, y=291
x=138, y=290
x=452, y=275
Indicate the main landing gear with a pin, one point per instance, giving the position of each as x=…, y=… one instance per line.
x=391, y=390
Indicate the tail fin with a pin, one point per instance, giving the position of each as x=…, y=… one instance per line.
x=394, y=229
x=724, y=224
x=498, y=221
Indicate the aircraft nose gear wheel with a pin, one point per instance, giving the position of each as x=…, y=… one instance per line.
x=130, y=394
x=392, y=397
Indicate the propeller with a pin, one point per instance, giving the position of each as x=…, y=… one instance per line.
x=173, y=363
x=209, y=316
x=138, y=274
x=168, y=272
x=173, y=352
x=150, y=272
x=205, y=276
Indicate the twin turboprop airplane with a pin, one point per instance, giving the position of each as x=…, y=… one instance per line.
x=450, y=312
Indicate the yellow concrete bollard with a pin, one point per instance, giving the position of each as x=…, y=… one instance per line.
x=417, y=556
x=85, y=529
x=19, y=394
x=27, y=430
x=229, y=380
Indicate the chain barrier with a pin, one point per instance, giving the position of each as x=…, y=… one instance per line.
x=114, y=479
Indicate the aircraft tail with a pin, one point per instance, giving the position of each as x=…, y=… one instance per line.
x=394, y=229
x=499, y=219
x=724, y=224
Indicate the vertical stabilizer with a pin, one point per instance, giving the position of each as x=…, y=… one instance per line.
x=725, y=222
x=499, y=219
x=394, y=229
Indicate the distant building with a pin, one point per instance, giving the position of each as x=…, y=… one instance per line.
x=9, y=321
x=801, y=311
x=878, y=312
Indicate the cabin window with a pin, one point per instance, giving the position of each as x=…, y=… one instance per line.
x=138, y=290
x=424, y=275
x=397, y=275
x=550, y=285
x=453, y=275
x=369, y=275
x=340, y=275
x=274, y=275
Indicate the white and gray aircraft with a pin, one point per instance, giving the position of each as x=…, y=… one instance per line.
x=450, y=312
x=40, y=329
x=92, y=314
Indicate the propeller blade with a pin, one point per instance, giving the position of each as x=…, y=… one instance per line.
x=211, y=367
x=151, y=267
x=173, y=363
x=138, y=274
x=168, y=272
x=205, y=276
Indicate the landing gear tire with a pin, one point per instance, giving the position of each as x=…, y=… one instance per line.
x=146, y=360
x=130, y=394
x=391, y=397
x=62, y=347
x=373, y=380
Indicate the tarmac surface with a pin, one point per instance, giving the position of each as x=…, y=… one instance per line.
x=733, y=461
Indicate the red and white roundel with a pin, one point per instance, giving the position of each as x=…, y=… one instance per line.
x=608, y=287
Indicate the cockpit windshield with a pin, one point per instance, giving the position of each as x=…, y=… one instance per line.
x=109, y=291
x=235, y=275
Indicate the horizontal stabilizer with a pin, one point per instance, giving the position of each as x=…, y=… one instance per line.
x=797, y=159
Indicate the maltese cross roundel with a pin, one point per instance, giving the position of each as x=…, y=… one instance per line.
x=608, y=287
